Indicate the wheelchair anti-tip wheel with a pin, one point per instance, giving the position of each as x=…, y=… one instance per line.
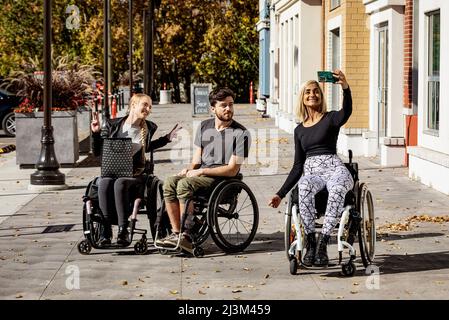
x=348, y=269
x=367, y=228
x=84, y=247
x=233, y=216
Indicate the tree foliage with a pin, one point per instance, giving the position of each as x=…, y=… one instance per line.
x=195, y=40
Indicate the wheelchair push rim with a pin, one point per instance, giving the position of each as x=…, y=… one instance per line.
x=367, y=230
x=233, y=217
x=91, y=226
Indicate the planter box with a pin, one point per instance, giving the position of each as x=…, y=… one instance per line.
x=83, y=116
x=29, y=135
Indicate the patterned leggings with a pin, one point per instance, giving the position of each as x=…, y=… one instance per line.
x=319, y=172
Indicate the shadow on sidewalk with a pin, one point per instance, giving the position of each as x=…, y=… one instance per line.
x=88, y=162
x=390, y=237
x=400, y=263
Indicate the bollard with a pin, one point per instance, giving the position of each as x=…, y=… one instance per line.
x=251, y=95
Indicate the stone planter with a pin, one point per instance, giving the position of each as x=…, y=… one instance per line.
x=83, y=116
x=29, y=134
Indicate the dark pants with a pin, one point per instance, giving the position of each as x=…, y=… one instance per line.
x=114, y=196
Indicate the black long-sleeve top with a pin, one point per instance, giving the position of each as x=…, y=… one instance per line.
x=319, y=139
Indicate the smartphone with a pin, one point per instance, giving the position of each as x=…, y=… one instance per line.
x=326, y=76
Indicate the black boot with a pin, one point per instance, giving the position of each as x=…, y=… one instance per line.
x=105, y=235
x=309, y=257
x=123, y=235
x=321, y=258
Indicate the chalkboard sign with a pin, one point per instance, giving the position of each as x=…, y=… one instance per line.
x=200, y=98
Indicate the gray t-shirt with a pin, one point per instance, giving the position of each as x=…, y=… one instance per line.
x=219, y=146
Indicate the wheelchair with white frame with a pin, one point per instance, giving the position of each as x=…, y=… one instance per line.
x=356, y=222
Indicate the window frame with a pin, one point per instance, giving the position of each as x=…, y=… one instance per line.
x=432, y=79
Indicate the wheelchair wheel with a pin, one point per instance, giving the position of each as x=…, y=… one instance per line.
x=92, y=224
x=233, y=216
x=367, y=229
x=201, y=229
x=348, y=269
x=293, y=265
x=289, y=234
x=141, y=247
x=155, y=204
x=84, y=247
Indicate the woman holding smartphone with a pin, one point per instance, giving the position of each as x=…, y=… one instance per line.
x=316, y=156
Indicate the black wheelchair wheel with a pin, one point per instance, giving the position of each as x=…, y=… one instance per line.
x=84, y=247
x=201, y=229
x=348, y=269
x=141, y=247
x=156, y=205
x=367, y=229
x=289, y=235
x=92, y=225
x=293, y=265
x=234, y=216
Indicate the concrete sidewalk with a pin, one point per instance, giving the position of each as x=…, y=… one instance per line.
x=37, y=264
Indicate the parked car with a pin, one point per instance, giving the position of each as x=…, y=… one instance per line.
x=8, y=101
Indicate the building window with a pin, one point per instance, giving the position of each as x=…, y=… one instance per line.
x=335, y=4
x=335, y=64
x=433, y=70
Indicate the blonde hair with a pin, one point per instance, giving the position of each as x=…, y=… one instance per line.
x=135, y=100
x=301, y=109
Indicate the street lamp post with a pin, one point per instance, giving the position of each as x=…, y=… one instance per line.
x=106, y=44
x=148, y=59
x=130, y=23
x=47, y=175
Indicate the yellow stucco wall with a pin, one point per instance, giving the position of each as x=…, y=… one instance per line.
x=354, y=39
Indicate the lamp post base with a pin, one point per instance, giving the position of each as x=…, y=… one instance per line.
x=47, y=172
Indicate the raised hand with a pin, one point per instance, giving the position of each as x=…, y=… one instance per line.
x=95, y=124
x=341, y=78
x=173, y=133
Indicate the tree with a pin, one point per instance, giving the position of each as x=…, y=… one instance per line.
x=195, y=40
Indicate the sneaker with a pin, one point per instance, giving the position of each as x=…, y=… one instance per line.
x=160, y=240
x=171, y=240
x=186, y=244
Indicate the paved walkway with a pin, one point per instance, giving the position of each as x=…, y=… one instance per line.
x=35, y=264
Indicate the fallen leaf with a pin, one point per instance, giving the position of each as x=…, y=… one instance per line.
x=140, y=295
x=354, y=292
x=267, y=276
x=201, y=292
x=174, y=291
x=236, y=290
x=18, y=296
x=247, y=269
x=355, y=283
x=141, y=280
x=124, y=283
x=340, y=297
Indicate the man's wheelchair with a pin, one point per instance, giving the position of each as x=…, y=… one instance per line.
x=93, y=220
x=357, y=221
x=229, y=214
